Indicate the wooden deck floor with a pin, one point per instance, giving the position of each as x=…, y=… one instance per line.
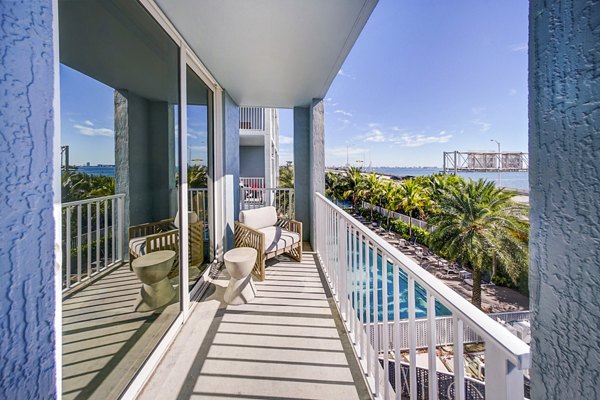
x=104, y=340
x=287, y=344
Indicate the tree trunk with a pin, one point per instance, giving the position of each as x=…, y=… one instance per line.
x=410, y=224
x=476, y=296
x=493, y=266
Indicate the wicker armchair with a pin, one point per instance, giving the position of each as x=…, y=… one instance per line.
x=164, y=235
x=270, y=235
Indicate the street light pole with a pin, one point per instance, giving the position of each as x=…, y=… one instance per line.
x=499, y=162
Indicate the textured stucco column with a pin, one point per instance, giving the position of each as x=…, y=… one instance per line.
x=144, y=157
x=27, y=230
x=231, y=158
x=564, y=151
x=309, y=163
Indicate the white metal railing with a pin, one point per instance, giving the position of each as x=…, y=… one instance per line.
x=252, y=118
x=92, y=238
x=198, y=203
x=252, y=182
x=355, y=262
x=281, y=198
x=443, y=329
x=396, y=215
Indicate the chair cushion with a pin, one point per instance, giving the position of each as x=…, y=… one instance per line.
x=192, y=218
x=259, y=217
x=137, y=246
x=277, y=238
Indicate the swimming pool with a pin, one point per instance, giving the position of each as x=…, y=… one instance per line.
x=420, y=292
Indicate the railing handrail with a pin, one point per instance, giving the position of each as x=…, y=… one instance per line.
x=275, y=188
x=513, y=348
x=93, y=200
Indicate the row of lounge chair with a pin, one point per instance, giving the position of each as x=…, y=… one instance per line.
x=426, y=258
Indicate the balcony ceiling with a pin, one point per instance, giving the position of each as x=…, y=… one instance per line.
x=272, y=53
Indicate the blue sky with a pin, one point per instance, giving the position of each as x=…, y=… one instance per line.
x=424, y=77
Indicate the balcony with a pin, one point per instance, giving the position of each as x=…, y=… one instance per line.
x=315, y=331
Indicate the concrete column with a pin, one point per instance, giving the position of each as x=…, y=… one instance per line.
x=145, y=157
x=564, y=175
x=231, y=158
x=30, y=261
x=309, y=163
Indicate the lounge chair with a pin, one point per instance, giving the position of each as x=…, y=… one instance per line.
x=269, y=234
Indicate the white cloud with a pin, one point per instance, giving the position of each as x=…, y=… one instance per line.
x=344, y=74
x=406, y=139
x=88, y=122
x=375, y=135
x=346, y=113
x=512, y=92
x=342, y=151
x=483, y=126
x=477, y=110
x=89, y=131
x=285, y=139
x=519, y=47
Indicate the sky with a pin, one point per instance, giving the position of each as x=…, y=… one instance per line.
x=424, y=77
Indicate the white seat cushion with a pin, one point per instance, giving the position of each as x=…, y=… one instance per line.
x=259, y=217
x=277, y=238
x=137, y=246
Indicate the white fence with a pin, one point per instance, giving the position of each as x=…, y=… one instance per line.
x=396, y=215
x=252, y=182
x=93, y=233
x=281, y=198
x=351, y=257
x=252, y=118
x=198, y=203
x=444, y=331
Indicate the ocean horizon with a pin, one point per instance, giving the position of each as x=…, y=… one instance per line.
x=509, y=180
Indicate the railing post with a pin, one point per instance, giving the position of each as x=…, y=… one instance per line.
x=121, y=226
x=503, y=381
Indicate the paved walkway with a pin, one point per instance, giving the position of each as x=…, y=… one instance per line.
x=287, y=344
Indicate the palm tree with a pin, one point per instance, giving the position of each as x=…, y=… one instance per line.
x=334, y=186
x=354, y=183
x=393, y=199
x=371, y=190
x=414, y=197
x=286, y=176
x=478, y=222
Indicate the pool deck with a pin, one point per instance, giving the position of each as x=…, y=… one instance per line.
x=289, y=343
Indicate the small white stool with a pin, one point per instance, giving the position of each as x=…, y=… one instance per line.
x=239, y=263
x=152, y=269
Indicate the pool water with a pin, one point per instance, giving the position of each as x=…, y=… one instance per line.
x=420, y=292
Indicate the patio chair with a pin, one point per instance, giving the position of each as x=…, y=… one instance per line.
x=269, y=234
x=164, y=235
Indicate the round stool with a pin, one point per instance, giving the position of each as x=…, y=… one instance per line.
x=152, y=269
x=239, y=263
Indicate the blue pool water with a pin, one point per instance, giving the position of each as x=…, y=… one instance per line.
x=402, y=293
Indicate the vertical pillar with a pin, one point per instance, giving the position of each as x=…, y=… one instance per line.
x=564, y=176
x=309, y=163
x=231, y=158
x=30, y=272
x=145, y=157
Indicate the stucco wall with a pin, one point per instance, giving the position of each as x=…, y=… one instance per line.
x=565, y=198
x=317, y=158
x=231, y=128
x=252, y=161
x=27, y=297
x=302, y=170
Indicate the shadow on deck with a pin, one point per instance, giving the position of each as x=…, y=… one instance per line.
x=289, y=343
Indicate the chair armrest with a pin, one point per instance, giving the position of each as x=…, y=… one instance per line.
x=248, y=237
x=290, y=224
x=151, y=228
x=163, y=241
